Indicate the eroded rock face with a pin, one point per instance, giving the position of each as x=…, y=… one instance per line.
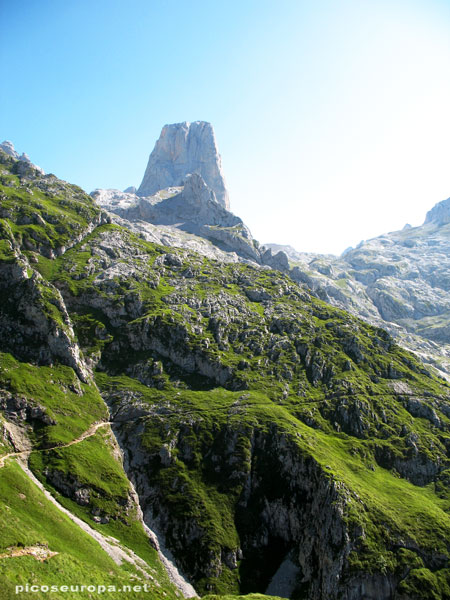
x=191, y=202
x=440, y=213
x=191, y=207
x=285, y=509
x=399, y=281
x=279, y=496
x=184, y=189
x=185, y=148
x=8, y=147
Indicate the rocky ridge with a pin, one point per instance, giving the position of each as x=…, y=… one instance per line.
x=190, y=208
x=8, y=147
x=184, y=192
x=398, y=280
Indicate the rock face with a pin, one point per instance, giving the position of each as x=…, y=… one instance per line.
x=439, y=214
x=185, y=148
x=269, y=528
x=192, y=202
x=8, y=147
x=183, y=189
x=191, y=207
x=399, y=281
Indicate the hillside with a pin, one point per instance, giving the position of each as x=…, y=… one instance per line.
x=270, y=441
x=399, y=280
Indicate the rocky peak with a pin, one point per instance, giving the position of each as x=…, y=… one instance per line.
x=439, y=214
x=184, y=148
x=8, y=147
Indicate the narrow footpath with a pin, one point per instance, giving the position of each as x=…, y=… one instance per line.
x=109, y=544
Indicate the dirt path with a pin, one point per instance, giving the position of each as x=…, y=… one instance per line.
x=86, y=434
x=112, y=546
x=16, y=454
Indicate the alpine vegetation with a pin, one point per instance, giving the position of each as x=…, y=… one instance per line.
x=180, y=411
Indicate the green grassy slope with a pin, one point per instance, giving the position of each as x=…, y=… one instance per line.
x=47, y=403
x=28, y=519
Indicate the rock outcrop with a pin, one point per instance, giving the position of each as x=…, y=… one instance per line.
x=191, y=207
x=399, y=281
x=439, y=214
x=8, y=147
x=181, y=149
x=192, y=202
x=183, y=189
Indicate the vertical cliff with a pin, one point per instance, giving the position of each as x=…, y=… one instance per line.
x=184, y=148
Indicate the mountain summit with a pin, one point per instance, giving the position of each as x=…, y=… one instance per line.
x=399, y=281
x=184, y=148
x=439, y=214
x=8, y=147
x=183, y=189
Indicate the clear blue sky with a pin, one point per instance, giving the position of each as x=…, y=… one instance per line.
x=332, y=117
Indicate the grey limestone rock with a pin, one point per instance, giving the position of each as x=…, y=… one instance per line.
x=191, y=207
x=36, y=336
x=399, y=281
x=184, y=148
x=439, y=214
x=8, y=147
x=278, y=261
x=19, y=409
x=192, y=201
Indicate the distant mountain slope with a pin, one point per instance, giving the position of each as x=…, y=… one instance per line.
x=261, y=428
x=400, y=281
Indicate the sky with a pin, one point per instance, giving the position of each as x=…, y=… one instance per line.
x=332, y=117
